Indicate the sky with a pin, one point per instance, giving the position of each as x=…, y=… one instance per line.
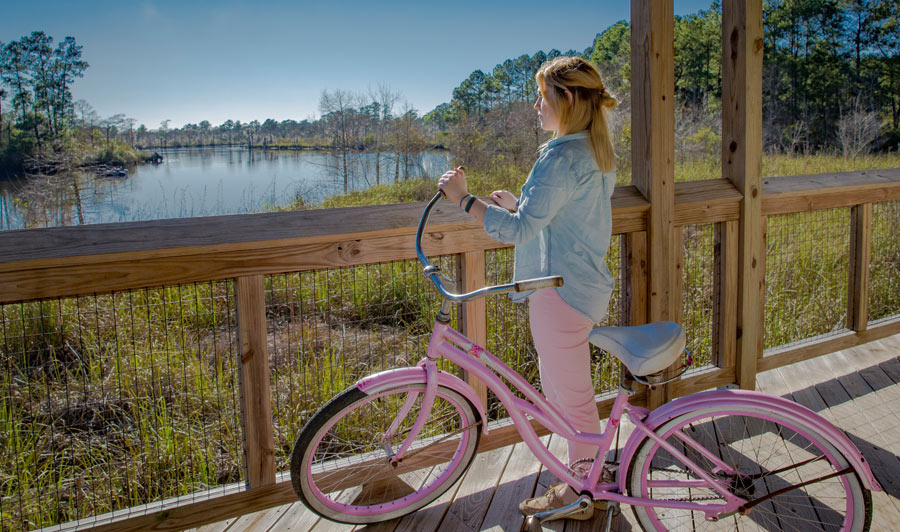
x=188, y=61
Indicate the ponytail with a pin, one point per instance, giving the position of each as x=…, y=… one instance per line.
x=591, y=103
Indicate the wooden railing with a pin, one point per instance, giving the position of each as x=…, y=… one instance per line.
x=65, y=262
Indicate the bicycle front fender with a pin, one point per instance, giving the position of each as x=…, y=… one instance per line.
x=737, y=399
x=394, y=377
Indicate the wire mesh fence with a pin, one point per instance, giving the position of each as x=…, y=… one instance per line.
x=884, y=266
x=698, y=290
x=114, y=401
x=327, y=329
x=117, y=400
x=807, y=272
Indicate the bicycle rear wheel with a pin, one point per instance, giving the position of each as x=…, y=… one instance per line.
x=771, y=456
x=340, y=465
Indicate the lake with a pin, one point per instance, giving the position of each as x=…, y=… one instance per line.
x=204, y=182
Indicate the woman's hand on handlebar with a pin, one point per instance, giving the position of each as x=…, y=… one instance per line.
x=453, y=184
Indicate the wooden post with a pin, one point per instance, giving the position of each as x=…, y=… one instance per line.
x=860, y=255
x=726, y=294
x=677, y=312
x=634, y=278
x=259, y=443
x=742, y=49
x=653, y=148
x=473, y=319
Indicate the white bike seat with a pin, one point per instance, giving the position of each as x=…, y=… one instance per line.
x=644, y=349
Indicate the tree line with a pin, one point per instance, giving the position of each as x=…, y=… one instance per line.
x=831, y=82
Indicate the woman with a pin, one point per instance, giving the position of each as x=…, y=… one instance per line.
x=561, y=225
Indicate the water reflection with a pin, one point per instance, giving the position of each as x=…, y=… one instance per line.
x=204, y=182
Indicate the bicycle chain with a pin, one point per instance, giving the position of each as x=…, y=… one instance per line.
x=687, y=472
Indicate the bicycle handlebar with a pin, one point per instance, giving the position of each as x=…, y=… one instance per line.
x=432, y=272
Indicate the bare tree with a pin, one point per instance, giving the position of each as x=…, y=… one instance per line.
x=856, y=130
x=384, y=98
x=341, y=116
x=409, y=141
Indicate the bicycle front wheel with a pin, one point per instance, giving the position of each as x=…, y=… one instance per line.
x=766, y=458
x=341, y=468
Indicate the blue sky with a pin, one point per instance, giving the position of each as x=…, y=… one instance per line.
x=189, y=61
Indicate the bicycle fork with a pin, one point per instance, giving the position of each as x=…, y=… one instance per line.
x=395, y=457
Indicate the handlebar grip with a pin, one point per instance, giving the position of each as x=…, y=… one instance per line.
x=539, y=283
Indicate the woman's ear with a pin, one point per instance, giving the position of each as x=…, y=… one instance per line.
x=569, y=96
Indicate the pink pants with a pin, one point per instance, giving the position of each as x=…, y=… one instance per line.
x=560, y=337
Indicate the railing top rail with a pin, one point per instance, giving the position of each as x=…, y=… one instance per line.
x=57, y=246
x=70, y=261
x=800, y=193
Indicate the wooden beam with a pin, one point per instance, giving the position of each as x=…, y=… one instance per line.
x=259, y=444
x=653, y=141
x=726, y=290
x=123, y=272
x=666, y=393
x=634, y=278
x=653, y=149
x=707, y=201
x=742, y=47
x=803, y=193
x=72, y=261
x=474, y=312
x=860, y=255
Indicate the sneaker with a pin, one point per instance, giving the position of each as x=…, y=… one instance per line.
x=557, y=496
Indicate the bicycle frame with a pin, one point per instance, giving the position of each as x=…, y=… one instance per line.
x=452, y=345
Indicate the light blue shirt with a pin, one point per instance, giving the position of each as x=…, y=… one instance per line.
x=563, y=225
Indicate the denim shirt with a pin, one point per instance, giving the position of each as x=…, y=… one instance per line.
x=563, y=225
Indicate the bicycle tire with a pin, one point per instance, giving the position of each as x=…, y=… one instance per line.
x=764, y=448
x=339, y=465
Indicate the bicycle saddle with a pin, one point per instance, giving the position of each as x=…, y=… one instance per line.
x=644, y=349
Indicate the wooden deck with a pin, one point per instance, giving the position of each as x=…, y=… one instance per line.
x=858, y=389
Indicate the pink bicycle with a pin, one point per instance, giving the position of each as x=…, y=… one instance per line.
x=717, y=460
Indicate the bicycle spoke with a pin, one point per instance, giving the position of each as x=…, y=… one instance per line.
x=786, y=477
x=345, y=473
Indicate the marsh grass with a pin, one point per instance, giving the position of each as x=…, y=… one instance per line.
x=807, y=265
x=884, y=269
x=116, y=400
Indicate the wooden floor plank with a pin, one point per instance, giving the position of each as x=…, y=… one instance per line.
x=842, y=413
x=221, y=526
x=843, y=395
x=296, y=518
x=261, y=521
x=474, y=496
x=891, y=368
x=324, y=525
x=428, y=519
x=557, y=446
x=517, y=483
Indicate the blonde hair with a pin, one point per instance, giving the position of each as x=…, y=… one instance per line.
x=590, y=103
